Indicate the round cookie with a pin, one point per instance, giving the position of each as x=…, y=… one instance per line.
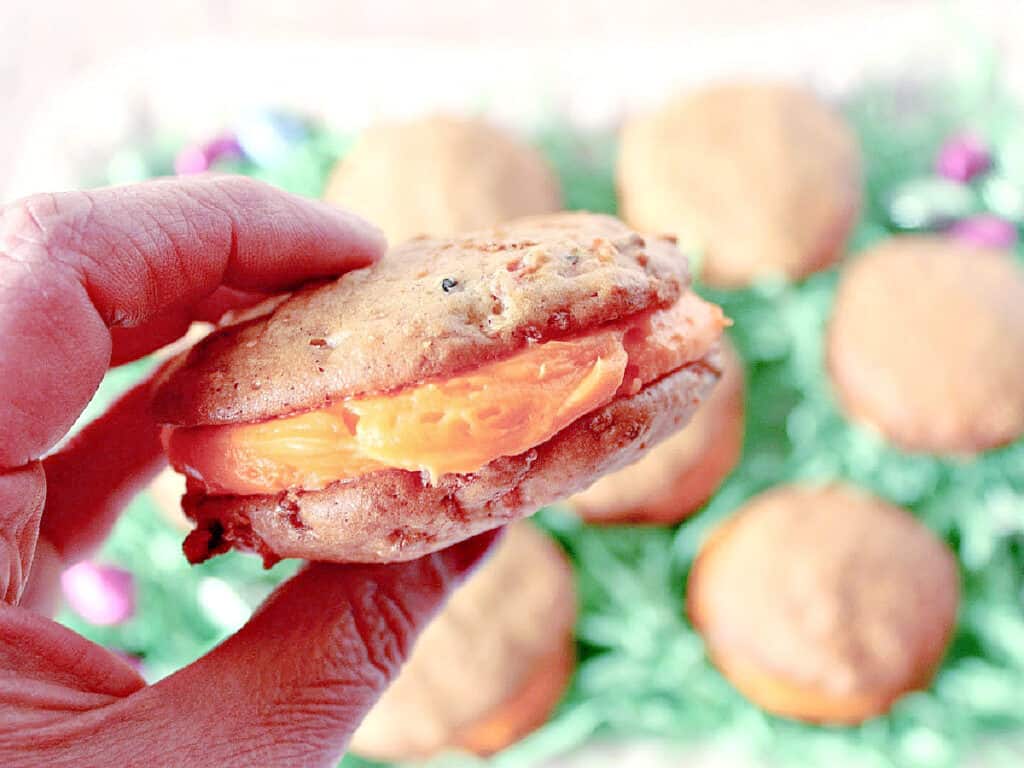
x=441, y=175
x=675, y=479
x=493, y=664
x=926, y=343
x=763, y=179
x=824, y=604
x=459, y=303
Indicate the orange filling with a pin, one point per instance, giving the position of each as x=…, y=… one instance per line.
x=455, y=425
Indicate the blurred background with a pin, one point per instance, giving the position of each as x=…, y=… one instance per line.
x=71, y=76
x=930, y=92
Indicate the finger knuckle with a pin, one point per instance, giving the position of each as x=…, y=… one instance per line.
x=386, y=628
x=35, y=226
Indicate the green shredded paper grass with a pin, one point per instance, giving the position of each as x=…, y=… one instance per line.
x=643, y=671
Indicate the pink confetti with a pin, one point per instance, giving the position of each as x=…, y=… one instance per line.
x=962, y=158
x=988, y=231
x=191, y=160
x=100, y=594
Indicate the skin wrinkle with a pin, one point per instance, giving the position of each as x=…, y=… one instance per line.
x=81, y=348
x=382, y=638
x=51, y=227
x=144, y=238
x=22, y=496
x=149, y=233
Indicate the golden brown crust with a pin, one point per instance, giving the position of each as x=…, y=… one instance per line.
x=824, y=604
x=675, y=479
x=926, y=343
x=528, y=708
x=429, y=308
x=397, y=515
x=763, y=179
x=440, y=175
x=491, y=666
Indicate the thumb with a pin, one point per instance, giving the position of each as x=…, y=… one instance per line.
x=294, y=683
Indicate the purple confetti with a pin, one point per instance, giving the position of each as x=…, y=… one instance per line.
x=963, y=157
x=100, y=594
x=987, y=230
x=224, y=146
x=197, y=159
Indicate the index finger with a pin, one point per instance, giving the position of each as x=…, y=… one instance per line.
x=76, y=264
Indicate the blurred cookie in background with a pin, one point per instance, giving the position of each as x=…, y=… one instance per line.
x=824, y=604
x=761, y=179
x=675, y=479
x=926, y=344
x=166, y=491
x=493, y=664
x=440, y=175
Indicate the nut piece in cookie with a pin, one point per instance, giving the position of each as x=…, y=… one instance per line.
x=762, y=179
x=824, y=604
x=454, y=386
x=926, y=344
x=493, y=664
x=675, y=479
x=442, y=175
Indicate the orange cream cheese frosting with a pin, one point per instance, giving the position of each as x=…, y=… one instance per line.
x=453, y=425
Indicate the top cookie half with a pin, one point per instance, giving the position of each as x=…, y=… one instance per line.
x=431, y=307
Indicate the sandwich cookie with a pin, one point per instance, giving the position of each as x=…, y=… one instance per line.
x=456, y=385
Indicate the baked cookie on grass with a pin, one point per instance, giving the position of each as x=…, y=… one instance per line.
x=456, y=385
x=493, y=664
x=442, y=175
x=926, y=344
x=824, y=604
x=763, y=179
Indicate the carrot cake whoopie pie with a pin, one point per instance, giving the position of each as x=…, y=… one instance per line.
x=441, y=175
x=824, y=604
x=456, y=385
x=926, y=344
x=763, y=179
x=675, y=479
x=491, y=666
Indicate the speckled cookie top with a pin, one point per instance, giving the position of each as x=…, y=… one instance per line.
x=431, y=307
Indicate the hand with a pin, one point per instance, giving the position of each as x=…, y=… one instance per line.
x=90, y=279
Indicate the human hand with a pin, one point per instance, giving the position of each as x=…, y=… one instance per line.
x=90, y=279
